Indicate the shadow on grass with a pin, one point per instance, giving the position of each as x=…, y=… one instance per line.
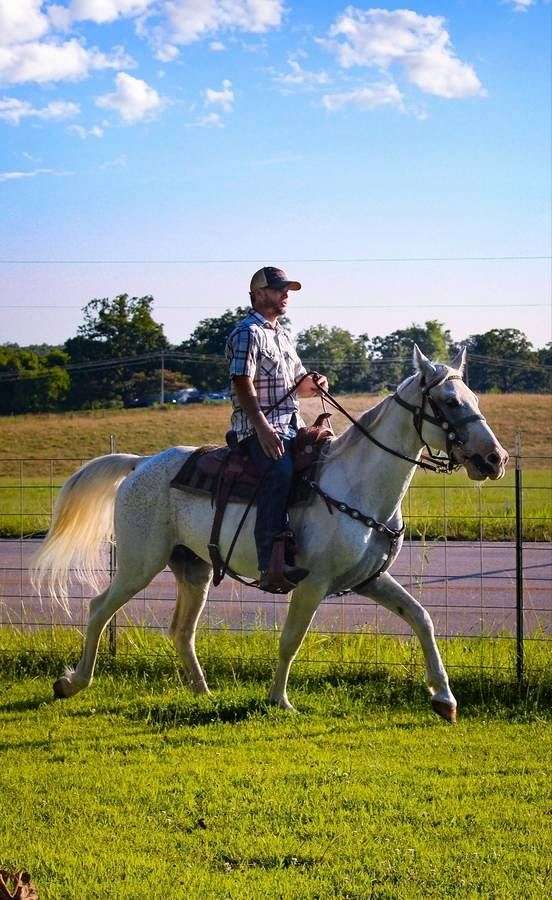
x=331, y=689
x=26, y=705
x=197, y=711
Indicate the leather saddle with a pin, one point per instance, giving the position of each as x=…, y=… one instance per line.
x=229, y=475
x=231, y=471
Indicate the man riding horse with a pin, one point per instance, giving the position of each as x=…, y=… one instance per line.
x=264, y=367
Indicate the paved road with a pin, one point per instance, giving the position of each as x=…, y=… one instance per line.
x=468, y=588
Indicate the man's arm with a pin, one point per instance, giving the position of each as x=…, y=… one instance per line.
x=269, y=439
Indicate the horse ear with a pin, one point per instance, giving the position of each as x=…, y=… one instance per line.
x=459, y=361
x=422, y=364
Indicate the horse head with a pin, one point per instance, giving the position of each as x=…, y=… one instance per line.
x=450, y=420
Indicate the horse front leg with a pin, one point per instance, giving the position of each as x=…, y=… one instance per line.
x=303, y=605
x=386, y=591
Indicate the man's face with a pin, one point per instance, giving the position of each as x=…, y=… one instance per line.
x=272, y=302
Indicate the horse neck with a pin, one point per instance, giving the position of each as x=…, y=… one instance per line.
x=376, y=481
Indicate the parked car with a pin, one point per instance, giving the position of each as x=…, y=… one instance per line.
x=218, y=395
x=189, y=395
x=144, y=400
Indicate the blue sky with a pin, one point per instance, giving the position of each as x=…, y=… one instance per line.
x=261, y=132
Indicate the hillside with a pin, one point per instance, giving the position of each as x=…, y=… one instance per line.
x=86, y=434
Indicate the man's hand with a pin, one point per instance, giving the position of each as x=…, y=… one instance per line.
x=309, y=387
x=270, y=441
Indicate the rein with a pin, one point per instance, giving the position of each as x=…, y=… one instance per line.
x=433, y=464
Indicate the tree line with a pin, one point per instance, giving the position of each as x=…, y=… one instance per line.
x=120, y=353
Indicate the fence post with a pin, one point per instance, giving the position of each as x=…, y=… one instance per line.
x=112, y=567
x=519, y=565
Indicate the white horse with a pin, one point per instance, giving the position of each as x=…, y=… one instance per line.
x=154, y=526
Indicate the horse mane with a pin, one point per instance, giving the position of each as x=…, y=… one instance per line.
x=351, y=435
x=372, y=416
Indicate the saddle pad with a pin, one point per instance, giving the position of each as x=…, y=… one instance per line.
x=198, y=480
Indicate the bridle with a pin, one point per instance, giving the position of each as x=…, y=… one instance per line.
x=447, y=421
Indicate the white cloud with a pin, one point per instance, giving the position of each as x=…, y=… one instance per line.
x=13, y=110
x=217, y=46
x=191, y=20
x=167, y=52
x=369, y=97
x=211, y=120
x=520, y=6
x=421, y=44
x=118, y=163
x=133, y=99
x=299, y=77
x=80, y=131
x=21, y=20
x=16, y=176
x=46, y=61
x=98, y=11
x=223, y=98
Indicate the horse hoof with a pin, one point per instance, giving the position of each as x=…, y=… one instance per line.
x=283, y=703
x=446, y=710
x=62, y=688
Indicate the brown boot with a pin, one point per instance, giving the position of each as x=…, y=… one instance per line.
x=282, y=582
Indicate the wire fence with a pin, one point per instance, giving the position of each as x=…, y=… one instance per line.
x=478, y=557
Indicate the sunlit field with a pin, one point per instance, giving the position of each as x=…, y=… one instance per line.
x=87, y=434
x=437, y=506
x=136, y=788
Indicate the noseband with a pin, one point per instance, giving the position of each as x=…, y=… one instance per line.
x=446, y=420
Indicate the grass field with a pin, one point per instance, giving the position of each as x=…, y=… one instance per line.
x=136, y=789
x=86, y=434
x=437, y=506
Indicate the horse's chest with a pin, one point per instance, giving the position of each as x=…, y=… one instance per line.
x=379, y=552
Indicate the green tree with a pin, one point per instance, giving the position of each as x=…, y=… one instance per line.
x=509, y=365
x=335, y=353
x=208, y=340
x=432, y=338
x=30, y=382
x=113, y=328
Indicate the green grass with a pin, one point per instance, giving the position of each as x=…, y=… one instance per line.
x=459, y=509
x=249, y=656
x=436, y=506
x=87, y=434
x=135, y=788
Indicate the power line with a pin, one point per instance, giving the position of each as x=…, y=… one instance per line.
x=216, y=359
x=213, y=262
x=367, y=306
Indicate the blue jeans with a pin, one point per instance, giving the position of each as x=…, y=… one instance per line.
x=272, y=497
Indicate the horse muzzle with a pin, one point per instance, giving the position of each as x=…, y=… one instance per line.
x=492, y=465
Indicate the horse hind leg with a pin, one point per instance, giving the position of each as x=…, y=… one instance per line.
x=193, y=578
x=126, y=583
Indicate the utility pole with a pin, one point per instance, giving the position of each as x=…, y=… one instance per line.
x=162, y=377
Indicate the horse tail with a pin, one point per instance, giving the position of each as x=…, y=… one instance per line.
x=82, y=520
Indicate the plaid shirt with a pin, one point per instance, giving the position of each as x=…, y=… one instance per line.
x=266, y=354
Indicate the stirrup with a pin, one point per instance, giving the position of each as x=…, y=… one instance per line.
x=282, y=582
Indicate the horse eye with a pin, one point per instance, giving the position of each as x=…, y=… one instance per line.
x=452, y=401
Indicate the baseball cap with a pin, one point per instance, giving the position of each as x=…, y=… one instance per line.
x=269, y=277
